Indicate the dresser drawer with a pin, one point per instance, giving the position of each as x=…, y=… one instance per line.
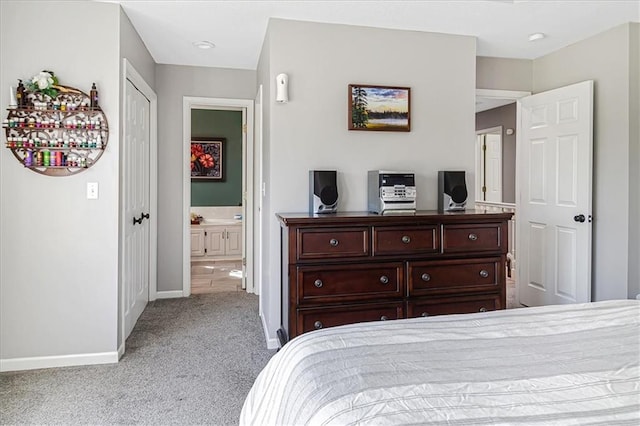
x=341, y=283
x=453, y=276
x=317, y=318
x=332, y=242
x=405, y=240
x=472, y=238
x=453, y=305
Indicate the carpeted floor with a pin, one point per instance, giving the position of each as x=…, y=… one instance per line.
x=188, y=361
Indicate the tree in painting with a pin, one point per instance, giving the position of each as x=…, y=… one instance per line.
x=359, y=115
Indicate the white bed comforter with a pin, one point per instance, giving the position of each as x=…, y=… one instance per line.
x=572, y=364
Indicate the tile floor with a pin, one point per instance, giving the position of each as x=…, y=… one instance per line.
x=216, y=276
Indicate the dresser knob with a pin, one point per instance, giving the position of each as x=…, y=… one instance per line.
x=384, y=279
x=473, y=237
x=424, y=314
x=406, y=239
x=484, y=273
x=426, y=277
x=333, y=242
x=483, y=309
x=318, y=283
x=317, y=325
x=383, y=318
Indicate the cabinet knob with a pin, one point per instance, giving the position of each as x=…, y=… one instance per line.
x=384, y=279
x=426, y=277
x=484, y=273
x=317, y=325
x=333, y=242
x=424, y=314
x=473, y=237
x=318, y=283
x=383, y=318
x=483, y=309
x=406, y=239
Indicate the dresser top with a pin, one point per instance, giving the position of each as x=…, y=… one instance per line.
x=422, y=216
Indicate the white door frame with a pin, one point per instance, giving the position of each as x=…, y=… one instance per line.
x=131, y=74
x=258, y=193
x=246, y=106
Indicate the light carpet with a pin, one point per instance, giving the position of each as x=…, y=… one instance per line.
x=187, y=361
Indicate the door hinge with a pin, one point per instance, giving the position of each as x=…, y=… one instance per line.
x=244, y=128
x=244, y=261
x=484, y=146
x=484, y=189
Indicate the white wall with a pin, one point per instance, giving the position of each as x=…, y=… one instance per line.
x=173, y=82
x=58, y=250
x=310, y=132
x=634, y=160
x=604, y=58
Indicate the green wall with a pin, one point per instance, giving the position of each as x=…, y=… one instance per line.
x=220, y=124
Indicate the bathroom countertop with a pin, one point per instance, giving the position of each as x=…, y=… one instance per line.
x=206, y=222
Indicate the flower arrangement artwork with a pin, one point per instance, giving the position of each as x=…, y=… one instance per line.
x=206, y=159
x=43, y=82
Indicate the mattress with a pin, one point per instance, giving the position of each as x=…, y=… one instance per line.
x=570, y=364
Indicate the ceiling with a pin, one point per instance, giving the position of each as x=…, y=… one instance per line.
x=237, y=28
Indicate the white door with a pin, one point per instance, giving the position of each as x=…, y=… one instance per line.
x=489, y=165
x=136, y=205
x=554, y=164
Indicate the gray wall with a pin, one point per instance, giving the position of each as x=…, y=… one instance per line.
x=58, y=250
x=504, y=116
x=604, y=58
x=634, y=160
x=173, y=82
x=503, y=74
x=310, y=132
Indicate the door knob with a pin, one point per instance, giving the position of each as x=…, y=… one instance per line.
x=579, y=218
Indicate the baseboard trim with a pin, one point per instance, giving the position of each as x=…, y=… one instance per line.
x=170, y=294
x=272, y=343
x=33, y=363
x=120, y=351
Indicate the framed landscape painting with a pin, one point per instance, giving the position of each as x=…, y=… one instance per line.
x=206, y=158
x=379, y=108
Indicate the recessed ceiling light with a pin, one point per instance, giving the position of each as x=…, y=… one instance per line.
x=536, y=36
x=204, y=44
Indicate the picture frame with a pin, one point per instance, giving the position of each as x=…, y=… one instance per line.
x=379, y=108
x=206, y=158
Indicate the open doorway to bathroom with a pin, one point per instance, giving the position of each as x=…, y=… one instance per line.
x=218, y=247
x=216, y=200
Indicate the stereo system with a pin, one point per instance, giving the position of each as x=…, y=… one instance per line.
x=388, y=191
x=452, y=191
x=391, y=192
x=323, y=191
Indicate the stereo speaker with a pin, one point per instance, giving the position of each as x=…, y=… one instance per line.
x=452, y=191
x=323, y=191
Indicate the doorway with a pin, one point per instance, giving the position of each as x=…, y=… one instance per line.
x=496, y=121
x=246, y=261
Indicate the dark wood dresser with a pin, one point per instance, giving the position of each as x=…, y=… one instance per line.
x=344, y=268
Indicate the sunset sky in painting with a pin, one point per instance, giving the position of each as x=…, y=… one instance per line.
x=385, y=99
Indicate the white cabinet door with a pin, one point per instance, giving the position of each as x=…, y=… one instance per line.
x=233, y=242
x=197, y=242
x=214, y=241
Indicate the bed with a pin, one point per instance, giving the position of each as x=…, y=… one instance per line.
x=571, y=364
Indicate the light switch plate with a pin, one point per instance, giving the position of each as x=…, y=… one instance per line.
x=92, y=190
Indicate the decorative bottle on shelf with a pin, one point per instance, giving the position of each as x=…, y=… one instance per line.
x=21, y=95
x=93, y=97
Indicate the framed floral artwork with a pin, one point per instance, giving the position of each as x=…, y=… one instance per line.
x=206, y=158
